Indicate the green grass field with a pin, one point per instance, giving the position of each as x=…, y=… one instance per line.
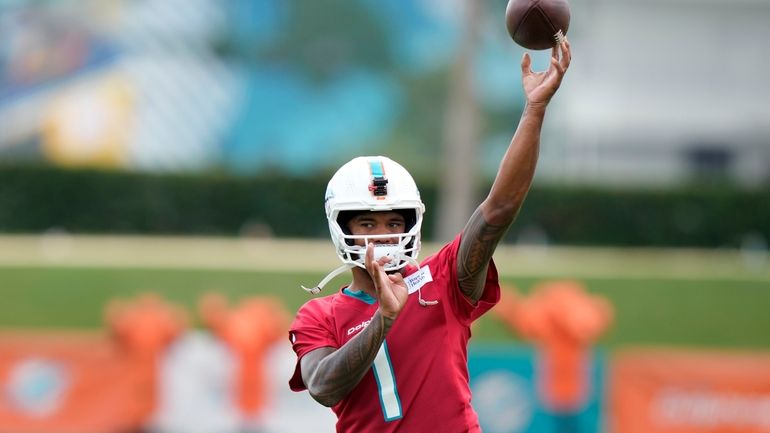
x=697, y=306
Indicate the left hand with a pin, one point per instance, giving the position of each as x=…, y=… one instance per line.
x=539, y=87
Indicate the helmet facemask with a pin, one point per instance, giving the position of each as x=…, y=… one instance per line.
x=404, y=251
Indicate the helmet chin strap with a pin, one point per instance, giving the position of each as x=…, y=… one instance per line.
x=378, y=253
x=317, y=289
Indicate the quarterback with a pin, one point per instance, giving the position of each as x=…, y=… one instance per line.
x=388, y=351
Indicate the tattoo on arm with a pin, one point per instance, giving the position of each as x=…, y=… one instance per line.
x=479, y=241
x=333, y=374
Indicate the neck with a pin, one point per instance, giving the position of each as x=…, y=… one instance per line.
x=362, y=281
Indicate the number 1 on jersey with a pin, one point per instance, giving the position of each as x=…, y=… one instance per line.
x=386, y=384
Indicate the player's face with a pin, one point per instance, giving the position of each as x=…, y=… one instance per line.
x=377, y=223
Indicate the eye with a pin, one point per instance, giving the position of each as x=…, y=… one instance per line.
x=396, y=225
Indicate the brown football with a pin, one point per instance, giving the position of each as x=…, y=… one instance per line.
x=535, y=24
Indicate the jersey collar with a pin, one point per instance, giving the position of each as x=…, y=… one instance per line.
x=360, y=295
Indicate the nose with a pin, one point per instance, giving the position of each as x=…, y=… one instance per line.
x=386, y=241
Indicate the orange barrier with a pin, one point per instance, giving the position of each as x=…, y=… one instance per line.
x=64, y=383
x=142, y=328
x=563, y=320
x=667, y=391
x=249, y=328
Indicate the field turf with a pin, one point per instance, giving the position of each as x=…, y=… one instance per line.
x=689, y=312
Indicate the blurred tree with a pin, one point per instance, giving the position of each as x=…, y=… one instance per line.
x=461, y=132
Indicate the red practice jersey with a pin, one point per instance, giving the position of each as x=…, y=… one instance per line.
x=419, y=380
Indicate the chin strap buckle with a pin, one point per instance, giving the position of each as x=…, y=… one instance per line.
x=313, y=291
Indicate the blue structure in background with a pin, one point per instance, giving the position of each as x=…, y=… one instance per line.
x=420, y=41
x=255, y=24
x=289, y=121
x=504, y=385
x=286, y=123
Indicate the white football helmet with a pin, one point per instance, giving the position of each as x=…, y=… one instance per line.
x=372, y=183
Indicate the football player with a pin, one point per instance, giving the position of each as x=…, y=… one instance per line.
x=388, y=352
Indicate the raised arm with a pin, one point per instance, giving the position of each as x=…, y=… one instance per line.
x=495, y=214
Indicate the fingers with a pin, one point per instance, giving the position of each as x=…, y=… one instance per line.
x=372, y=266
x=526, y=65
x=558, y=66
x=561, y=56
x=369, y=257
x=566, y=53
x=396, y=278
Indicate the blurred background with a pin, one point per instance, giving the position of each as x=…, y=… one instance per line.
x=163, y=163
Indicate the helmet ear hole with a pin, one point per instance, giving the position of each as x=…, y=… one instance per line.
x=344, y=218
x=410, y=217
